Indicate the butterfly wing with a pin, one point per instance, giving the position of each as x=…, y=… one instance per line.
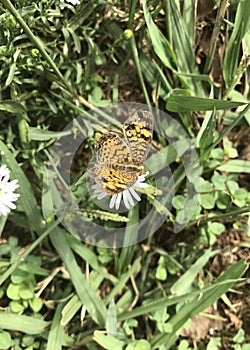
x=138, y=130
x=113, y=171
x=112, y=150
x=112, y=181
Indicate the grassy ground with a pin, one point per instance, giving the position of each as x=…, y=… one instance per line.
x=176, y=289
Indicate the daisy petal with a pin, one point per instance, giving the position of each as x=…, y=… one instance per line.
x=125, y=199
x=118, y=200
x=7, y=188
x=135, y=194
x=101, y=195
x=142, y=185
x=130, y=199
x=112, y=202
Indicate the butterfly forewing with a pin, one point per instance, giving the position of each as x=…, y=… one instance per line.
x=111, y=149
x=138, y=130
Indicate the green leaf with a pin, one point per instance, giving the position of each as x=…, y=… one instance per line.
x=51, y=104
x=5, y=340
x=207, y=200
x=36, y=304
x=11, y=74
x=16, y=307
x=90, y=257
x=161, y=273
x=219, y=181
x=216, y=228
x=237, y=270
x=13, y=291
x=11, y=107
x=76, y=39
x=214, y=343
x=25, y=292
x=239, y=336
x=179, y=102
x=108, y=341
x=223, y=200
x=183, y=47
x=190, y=207
x=142, y=344
x=178, y=201
x=241, y=193
x=232, y=186
x=45, y=135
x=153, y=71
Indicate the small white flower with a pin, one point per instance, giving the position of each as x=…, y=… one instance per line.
x=129, y=195
x=73, y=2
x=7, y=188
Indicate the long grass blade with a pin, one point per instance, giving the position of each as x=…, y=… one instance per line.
x=85, y=291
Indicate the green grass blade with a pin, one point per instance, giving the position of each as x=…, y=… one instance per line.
x=111, y=322
x=55, y=338
x=228, y=129
x=221, y=286
x=70, y=309
x=153, y=74
x=233, y=48
x=121, y=283
x=206, y=134
x=188, y=18
x=236, y=166
x=139, y=69
x=178, y=101
x=183, y=284
x=125, y=258
x=90, y=257
x=216, y=32
x=85, y=291
x=183, y=48
x=22, y=323
x=237, y=269
x=160, y=44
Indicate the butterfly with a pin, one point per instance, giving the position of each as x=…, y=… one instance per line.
x=119, y=162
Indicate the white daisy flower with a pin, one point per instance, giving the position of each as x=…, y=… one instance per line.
x=130, y=196
x=7, y=188
x=73, y=2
